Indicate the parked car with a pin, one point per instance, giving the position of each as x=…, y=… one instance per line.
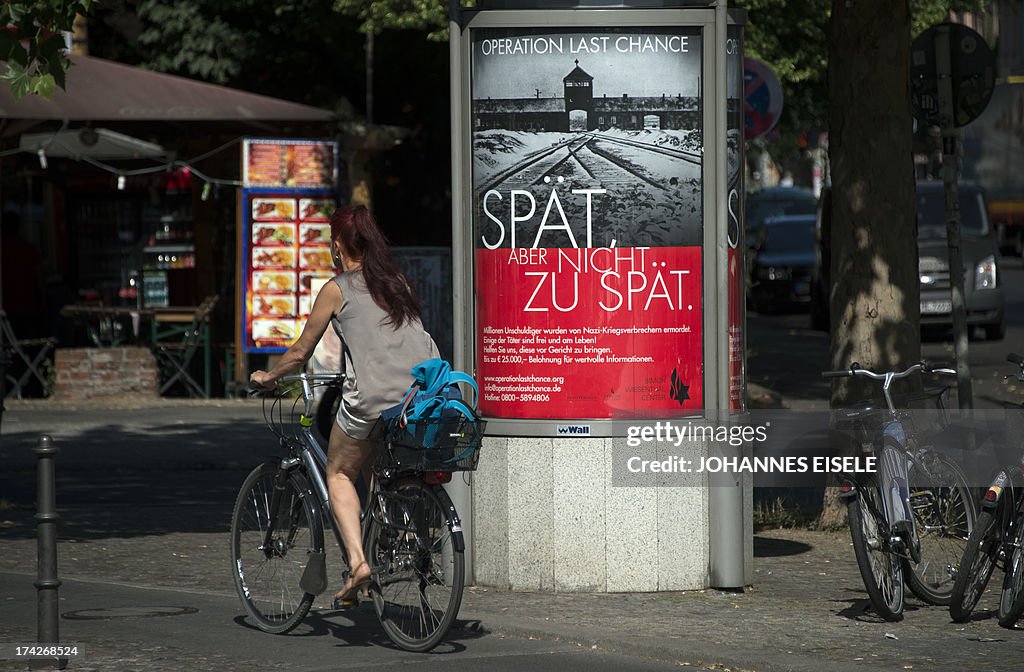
x=775, y=201
x=983, y=292
x=782, y=257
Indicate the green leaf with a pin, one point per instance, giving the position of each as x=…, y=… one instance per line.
x=11, y=72
x=43, y=85
x=21, y=86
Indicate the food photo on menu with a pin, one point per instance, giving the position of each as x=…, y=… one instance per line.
x=271, y=332
x=315, y=257
x=316, y=209
x=314, y=234
x=273, y=234
x=274, y=281
x=275, y=305
x=273, y=209
x=273, y=257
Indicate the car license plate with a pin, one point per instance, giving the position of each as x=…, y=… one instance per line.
x=936, y=307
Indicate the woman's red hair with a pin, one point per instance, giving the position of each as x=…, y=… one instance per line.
x=362, y=239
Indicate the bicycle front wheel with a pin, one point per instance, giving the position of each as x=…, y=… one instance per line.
x=880, y=567
x=1011, y=598
x=976, y=566
x=418, y=564
x=268, y=568
x=944, y=517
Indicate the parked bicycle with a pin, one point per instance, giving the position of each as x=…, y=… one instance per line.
x=410, y=528
x=910, y=519
x=998, y=538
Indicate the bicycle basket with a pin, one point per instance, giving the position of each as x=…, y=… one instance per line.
x=456, y=448
x=927, y=410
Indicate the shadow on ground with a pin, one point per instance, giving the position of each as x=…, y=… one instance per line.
x=113, y=481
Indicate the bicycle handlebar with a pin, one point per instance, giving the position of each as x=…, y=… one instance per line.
x=314, y=377
x=924, y=367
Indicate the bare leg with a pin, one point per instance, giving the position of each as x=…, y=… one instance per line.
x=345, y=457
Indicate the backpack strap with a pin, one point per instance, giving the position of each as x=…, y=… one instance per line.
x=459, y=377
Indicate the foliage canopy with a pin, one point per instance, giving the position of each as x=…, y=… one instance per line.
x=32, y=47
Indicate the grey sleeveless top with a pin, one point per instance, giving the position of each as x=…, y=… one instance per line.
x=377, y=373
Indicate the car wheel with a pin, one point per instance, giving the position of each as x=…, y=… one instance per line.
x=995, y=332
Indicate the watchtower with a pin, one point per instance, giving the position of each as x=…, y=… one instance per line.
x=579, y=99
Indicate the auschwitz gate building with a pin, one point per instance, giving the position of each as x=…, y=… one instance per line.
x=578, y=110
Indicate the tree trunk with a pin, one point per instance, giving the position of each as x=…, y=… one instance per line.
x=875, y=311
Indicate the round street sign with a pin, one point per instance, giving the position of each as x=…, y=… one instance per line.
x=972, y=68
x=762, y=98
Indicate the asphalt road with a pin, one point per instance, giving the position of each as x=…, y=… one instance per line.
x=786, y=356
x=128, y=627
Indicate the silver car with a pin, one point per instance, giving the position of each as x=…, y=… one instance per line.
x=983, y=291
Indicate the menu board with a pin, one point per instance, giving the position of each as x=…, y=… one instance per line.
x=288, y=258
x=300, y=164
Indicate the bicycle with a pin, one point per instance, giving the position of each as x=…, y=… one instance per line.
x=908, y=519
x=411, y=531
x=997, y=540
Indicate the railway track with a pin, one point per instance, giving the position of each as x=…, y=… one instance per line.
x=612, y=162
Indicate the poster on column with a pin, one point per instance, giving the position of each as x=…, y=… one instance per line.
x=588, y=222
x=735, y=215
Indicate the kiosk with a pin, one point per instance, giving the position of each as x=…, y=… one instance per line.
x=598, y=274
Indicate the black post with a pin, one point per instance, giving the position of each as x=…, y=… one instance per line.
x=47, y=582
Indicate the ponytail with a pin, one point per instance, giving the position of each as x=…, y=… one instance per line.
x=362, y=239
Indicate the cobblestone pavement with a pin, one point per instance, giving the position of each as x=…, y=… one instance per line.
x=145, y=501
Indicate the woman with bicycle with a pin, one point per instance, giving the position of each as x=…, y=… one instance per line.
x=376, y=313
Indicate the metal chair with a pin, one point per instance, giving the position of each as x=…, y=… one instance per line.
x=20, y=348
x=175, y=346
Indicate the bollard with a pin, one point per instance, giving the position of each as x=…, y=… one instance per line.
x=47, y=582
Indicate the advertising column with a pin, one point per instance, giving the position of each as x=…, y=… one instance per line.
x=586, y=167
x=587, y=176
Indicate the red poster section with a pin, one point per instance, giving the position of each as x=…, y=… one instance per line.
x=590, y=333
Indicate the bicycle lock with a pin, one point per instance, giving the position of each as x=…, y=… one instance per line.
x=47, y=583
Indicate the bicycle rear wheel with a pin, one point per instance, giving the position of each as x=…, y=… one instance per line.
x=1011, y=598
x=880, y=568
x=418, y=565
x=944, y=517
x=267, y=577
x=976, y=565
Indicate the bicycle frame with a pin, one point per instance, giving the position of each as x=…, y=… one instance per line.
x=306, y=450
x=896, y=454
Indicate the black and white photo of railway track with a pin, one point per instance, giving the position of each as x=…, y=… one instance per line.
x=652, y=183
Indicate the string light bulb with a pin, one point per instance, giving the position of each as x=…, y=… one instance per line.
x=120, y=182
x=206, y=192
x=42, y=158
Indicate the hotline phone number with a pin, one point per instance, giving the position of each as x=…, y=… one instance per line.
x=526, y=396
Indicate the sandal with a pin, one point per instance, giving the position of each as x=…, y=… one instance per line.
x=349, y=595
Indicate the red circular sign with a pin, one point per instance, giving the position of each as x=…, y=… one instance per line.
x=762, y=98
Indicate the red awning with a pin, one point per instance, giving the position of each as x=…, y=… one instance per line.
x=101, y=90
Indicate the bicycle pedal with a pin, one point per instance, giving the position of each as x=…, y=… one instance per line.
x=345, y=605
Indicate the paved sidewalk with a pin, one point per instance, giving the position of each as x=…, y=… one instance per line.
x=145, y=491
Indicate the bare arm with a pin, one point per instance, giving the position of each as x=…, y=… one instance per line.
x=327, y=303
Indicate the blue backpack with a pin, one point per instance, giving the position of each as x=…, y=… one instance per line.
x=433, y=412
